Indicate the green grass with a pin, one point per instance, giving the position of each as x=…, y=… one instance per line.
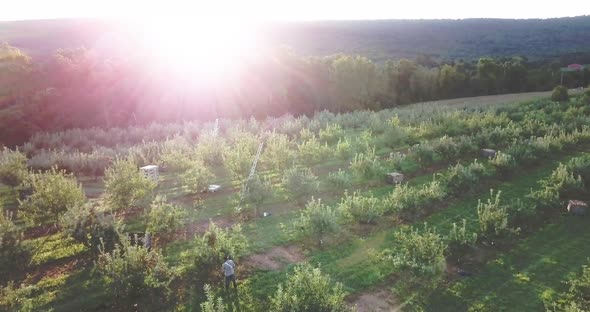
x=353, y=264
x=532, y=272
x=53, y=247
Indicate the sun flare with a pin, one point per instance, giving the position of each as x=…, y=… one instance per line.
x=200, y=47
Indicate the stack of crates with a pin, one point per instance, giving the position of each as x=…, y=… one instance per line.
x=150, y=172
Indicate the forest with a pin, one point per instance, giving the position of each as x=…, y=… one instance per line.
x=80, y=88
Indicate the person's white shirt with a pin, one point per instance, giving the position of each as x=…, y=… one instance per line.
x=229, y=267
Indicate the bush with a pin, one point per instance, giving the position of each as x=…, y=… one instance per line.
x=311, y=152
x=132, y=272
x=461, y=179
x=411, y=202
x=163, y=217
x=504, y=164
x=210, y=149
x=339, y=180
x=212, y=304
x=424, y=154
x=493, y=216
x=561, y=184
x=238, y=159
x=343, y=149
x=277, y=152
x=308, y=290
x=331, y=133
x=257, y=192
x=580, y=166
x=13, y=167
x=299, y=183
x=366, y=165
x=53, y=192
x=586, y=97
x=202, y=261
x=87, y=225
x=362, y=209
x=317, y=219
x=197, y=177
x=459, y=238
x=13, y=256
x=559, y=94
x=420, y=251
x=125, y=185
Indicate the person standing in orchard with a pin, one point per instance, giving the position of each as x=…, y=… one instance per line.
x=229, y=268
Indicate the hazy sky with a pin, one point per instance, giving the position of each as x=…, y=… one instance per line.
x=292, y=9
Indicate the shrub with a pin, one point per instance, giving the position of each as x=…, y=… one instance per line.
x=197, y=177
x=504, y=164
x=132, y=272
x=238, y=159
x=340, y=179
x=493, y=216
x=91, y=227
x=125, y=185
x=362, y=209
x=560, y=184
x=424, y=154
x=411, y=202
x=308, y=290
x=559, y=94
x=459, y=238
x=460, y=179
x=343, y=149
x=366, y=165
x=53, y=192
x=212, y=304
x=256, y=193
x=277, y=152
x=420, y=251
x=317, y=219
x=311, y=152
x=395, y=136
x=13, y=167
x=299, y=182
x=164, y=217
x=210, y=149
x=175, y=160
x=586, y=97
x=13, y=256
x=580, y=166
x=396, y=161
x=331, y=133
x=201, y=262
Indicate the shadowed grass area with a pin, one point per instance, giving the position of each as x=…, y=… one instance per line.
x=525, y=277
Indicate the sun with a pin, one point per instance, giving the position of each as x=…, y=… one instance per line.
x=199, y=46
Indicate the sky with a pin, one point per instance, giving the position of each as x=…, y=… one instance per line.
x=282, y=10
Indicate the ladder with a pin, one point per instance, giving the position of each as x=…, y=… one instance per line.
x=216, y=127
x=252, y=172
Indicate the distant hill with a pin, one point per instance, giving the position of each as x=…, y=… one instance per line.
x=442, y=39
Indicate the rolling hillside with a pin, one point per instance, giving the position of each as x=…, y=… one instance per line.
x=443, y=39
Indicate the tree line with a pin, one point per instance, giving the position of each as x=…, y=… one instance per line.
x=81, y=88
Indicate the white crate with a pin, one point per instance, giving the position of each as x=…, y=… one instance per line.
x=150, y=172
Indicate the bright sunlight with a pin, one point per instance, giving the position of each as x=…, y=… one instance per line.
x=199, y=47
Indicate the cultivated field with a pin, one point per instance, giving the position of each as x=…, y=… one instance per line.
x=465, y=230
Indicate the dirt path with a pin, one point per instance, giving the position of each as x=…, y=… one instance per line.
x=276, y=258
x=377, y=300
